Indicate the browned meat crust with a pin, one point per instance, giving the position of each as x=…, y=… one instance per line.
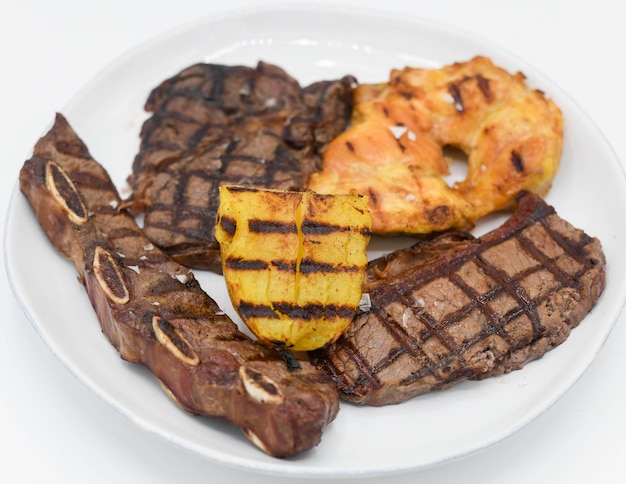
x=214, y=124
x=155, y=313
x=458, y=308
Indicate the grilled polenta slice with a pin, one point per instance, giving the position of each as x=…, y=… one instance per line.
x=294, y=262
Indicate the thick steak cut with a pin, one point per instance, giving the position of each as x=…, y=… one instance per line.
x=214, y=124
x=459, y=307
x=155, y=313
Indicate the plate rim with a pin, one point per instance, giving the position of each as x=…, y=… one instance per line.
x=272, y=467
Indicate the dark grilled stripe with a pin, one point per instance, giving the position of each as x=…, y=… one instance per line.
x=455, y=92
x=286, y=266
x=271, y=227
x=484, y=86
x=307, y=266
x=239, y=264
x=514, y=289
x=228, y=224
x=311, y=227
x=314, y=311
x=242, y=189
x=310, y=266
x=307, y=312
x=250, y=310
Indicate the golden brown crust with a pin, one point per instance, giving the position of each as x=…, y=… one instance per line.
x=393, y=151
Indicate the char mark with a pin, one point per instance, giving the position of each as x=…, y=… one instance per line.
x=229, y=225
x=483, y=85
x=292, y=311
x=517, y=161
x=455, y=92
x=271, y=227
x=310, y=266
x=239, y=264
x=310, y=227
x=307, y=266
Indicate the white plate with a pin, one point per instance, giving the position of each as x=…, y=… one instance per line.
x=311, y=44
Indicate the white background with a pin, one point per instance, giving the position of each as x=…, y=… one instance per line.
x=52, y=429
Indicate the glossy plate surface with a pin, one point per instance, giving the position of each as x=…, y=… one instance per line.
x=314, y=44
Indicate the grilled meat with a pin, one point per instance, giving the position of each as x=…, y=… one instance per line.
x=393, y=151
x=458, y=308
x=215, y=124
x=155, y=313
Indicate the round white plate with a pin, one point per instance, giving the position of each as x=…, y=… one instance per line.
x=313, y=44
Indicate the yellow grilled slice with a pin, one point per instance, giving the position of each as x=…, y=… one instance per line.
x=294, y=263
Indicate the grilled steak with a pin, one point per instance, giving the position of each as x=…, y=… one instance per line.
x=155, y=313
x=458, y=308
x=214, y=124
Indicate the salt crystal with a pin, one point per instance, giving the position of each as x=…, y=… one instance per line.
x=181, y=278
x=365, y=304
x=397, y=131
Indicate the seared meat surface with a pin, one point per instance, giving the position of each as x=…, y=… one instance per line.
x=458, y=307
x=215, y=124
x=153, y=311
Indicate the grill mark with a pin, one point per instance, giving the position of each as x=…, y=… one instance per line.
x=497, y=324
x=166, y=112
x=574, y=249
x=74, y=148
x=423, y=372
x=286, y=266
x=229, y=225
x=271, y=227
x=239, y=264
x=511, y=286
x=484, y=86
x=336, y=376
x=307, y=266
x=311, y=227
x=314, y=311
x=455, y=92
x=229, y=159
x=305, y=312
x=366, y=373
x=310, y=266
x=477, y=301
x=517, y=161
x=408, y=343
x=251, y=310
x=308, y=227
x=563, y=278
